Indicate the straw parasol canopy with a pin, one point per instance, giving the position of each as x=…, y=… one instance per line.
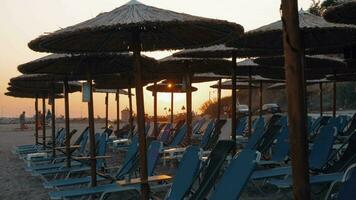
x=19, y=94
x=342, y=77
x=222, y=51
x=279, y=86
x=197, y=78
x=227, y=85
x=182, y=66
x=77, y=66
x=344, y=12
x=123, y=92
x=319, y=36
x=124, y=80
x=311, y=62
x=159, y=29
x=169, y=88
x=43, y=82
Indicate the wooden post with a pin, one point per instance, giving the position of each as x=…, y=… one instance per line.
x=172, y=102
x=219, y=100
x=297, y=116
x=261, y=97
x=44, y=122
x=107, y=110
x=155, y=128
x=321, y=98
x=334, y=96
x=130, y=113
x=53, y=119
x=189, y=108
x=91, y=133
x=36, y=119
x=67, y=121
x=140, y=114
x=117, y=111
x=249, y=103
x=234, y=99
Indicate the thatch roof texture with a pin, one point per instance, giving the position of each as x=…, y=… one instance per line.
x=159, y=29
x=280, y=86
x=170, y=87
x=29, y=95
x=227, y=85
x=344, y=13
x=319, y=36
x=77, y=66
x=123, y=80
x=113, y=91
x=343, y=77
x=178, y=65
x=222, y=51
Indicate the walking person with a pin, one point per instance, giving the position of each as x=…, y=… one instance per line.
x=23, y=121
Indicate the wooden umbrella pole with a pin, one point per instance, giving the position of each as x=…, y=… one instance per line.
x=67, y=121
x=321, y=98
x=172, y=102
x=261, y=97
x=107, y=110
x=130, y=113
x=36, y=121
x=334, y=96
x=53, y=120
x=44, y=122
x=140, y=114
x=249, y=103
x=117, y=111
x=295, y=87
x=92, y=133
x=234, y=99
x=189, y=108
x=155, y=128
x=219, y=100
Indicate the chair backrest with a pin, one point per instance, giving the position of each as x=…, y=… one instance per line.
x=198, y=125
x=309, y=124
x=281, y=148
x=186, y=173
x=165, y=134
x=343, y=157
x=322, y=147
x=179, y=136
x=347, y=190
x=241, y=125
x=207, y=133
x=153, y=155
x=267, y=139
x=319, y=122
x=210, y=171
x=129, y=160
x=236, y=176
x=58, y=134
x=61, y=137
x=258, y=123
x=101, y=149
x=273, y=120
x=350, y=127
x=84, y=140
x=214, y=137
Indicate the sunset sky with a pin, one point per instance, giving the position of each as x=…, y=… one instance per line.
x=24, y=20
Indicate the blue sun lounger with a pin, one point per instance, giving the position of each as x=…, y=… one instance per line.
x=126, y=168
x=152, y=153
x=77, y=166
x=241, y=126
x=236, y=176
x=318, y=156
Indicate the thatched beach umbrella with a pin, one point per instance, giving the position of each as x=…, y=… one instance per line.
x=186, y=68
x=169, y=88
x=319, y=36
x=245, y=85
x=107, y=92
x=37, y=93
x=86, y=66
x=280, y=86
x=52, y=86
x=344, y=12
x=137, y=27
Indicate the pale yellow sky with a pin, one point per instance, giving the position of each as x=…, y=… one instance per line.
x=23, y=20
